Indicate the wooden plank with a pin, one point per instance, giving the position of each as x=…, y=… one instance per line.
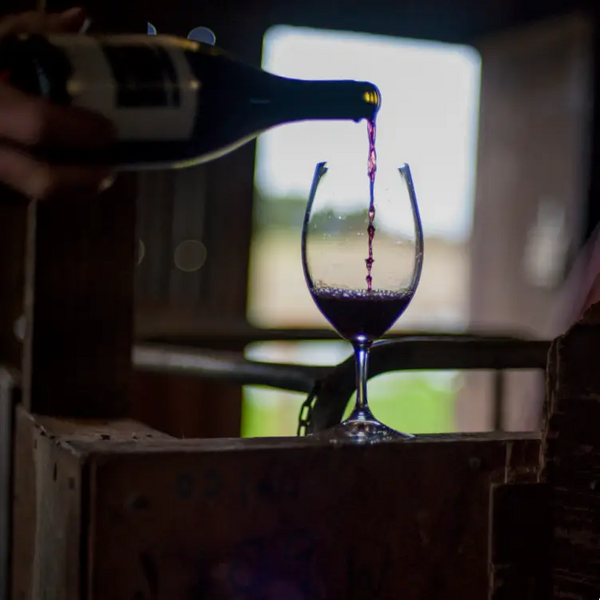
x=24, y=509
x=79, y=304
x=91, y=430
x=51, y=501
x=8, y=398
x=59, y=480
x=572, y=451
x=294, y=518
x=299, y=520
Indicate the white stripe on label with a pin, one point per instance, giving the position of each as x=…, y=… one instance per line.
x=93, y=86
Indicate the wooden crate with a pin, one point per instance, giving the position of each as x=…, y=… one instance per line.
x=116, y=511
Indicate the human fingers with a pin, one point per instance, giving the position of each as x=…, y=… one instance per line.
x=37, y=180
x=30, y=121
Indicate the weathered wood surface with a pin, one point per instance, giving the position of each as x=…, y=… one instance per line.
x=79, y=305
x=51, y=502
x=8, y=398
x=573, y=458
x=155, y=519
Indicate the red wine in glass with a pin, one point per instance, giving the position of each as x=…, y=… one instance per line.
x=335, y=276
x=361, y=314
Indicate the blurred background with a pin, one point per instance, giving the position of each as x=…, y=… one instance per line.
x=429, y=119
x=493, y=107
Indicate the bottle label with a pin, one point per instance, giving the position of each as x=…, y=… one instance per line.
x=145, y=87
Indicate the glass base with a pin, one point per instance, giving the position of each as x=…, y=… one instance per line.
x=361, y=427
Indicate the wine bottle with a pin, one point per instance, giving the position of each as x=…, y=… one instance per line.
x=174, y=102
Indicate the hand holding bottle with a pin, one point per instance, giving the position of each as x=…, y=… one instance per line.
x=174, y=102
x=28, y=122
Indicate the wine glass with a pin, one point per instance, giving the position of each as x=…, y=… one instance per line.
x=362, y=254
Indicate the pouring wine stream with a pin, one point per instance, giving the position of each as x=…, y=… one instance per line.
x=372, y=170
x=361, y=315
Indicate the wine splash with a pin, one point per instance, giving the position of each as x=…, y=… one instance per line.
x=372, y=169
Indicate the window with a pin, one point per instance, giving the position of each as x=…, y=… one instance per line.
x=428, y=118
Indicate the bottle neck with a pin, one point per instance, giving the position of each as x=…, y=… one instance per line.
x=331, y=100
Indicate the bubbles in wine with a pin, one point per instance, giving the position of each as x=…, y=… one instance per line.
x=360, y=295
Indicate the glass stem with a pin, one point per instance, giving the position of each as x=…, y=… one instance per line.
x=361, y=354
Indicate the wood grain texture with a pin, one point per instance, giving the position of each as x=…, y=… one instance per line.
x=572, y=449
x=24, y=509
x=52, y=502
x=59, y=479
x=294, y=518
x=300, y=520
x=114, y=510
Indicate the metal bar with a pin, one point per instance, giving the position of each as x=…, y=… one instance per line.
x=433, y=353
x=408, y=353
x=226, y=366
x=218, y=336
x=336, y=385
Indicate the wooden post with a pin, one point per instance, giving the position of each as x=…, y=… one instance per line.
x=572, y=451
x=77, y=350
x=79, y=305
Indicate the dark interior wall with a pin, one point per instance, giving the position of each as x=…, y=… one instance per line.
x=447, y=20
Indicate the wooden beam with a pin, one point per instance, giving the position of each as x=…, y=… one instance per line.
x=79, y=305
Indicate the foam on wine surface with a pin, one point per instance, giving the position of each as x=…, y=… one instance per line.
x=371, y=171
x=361, y=313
